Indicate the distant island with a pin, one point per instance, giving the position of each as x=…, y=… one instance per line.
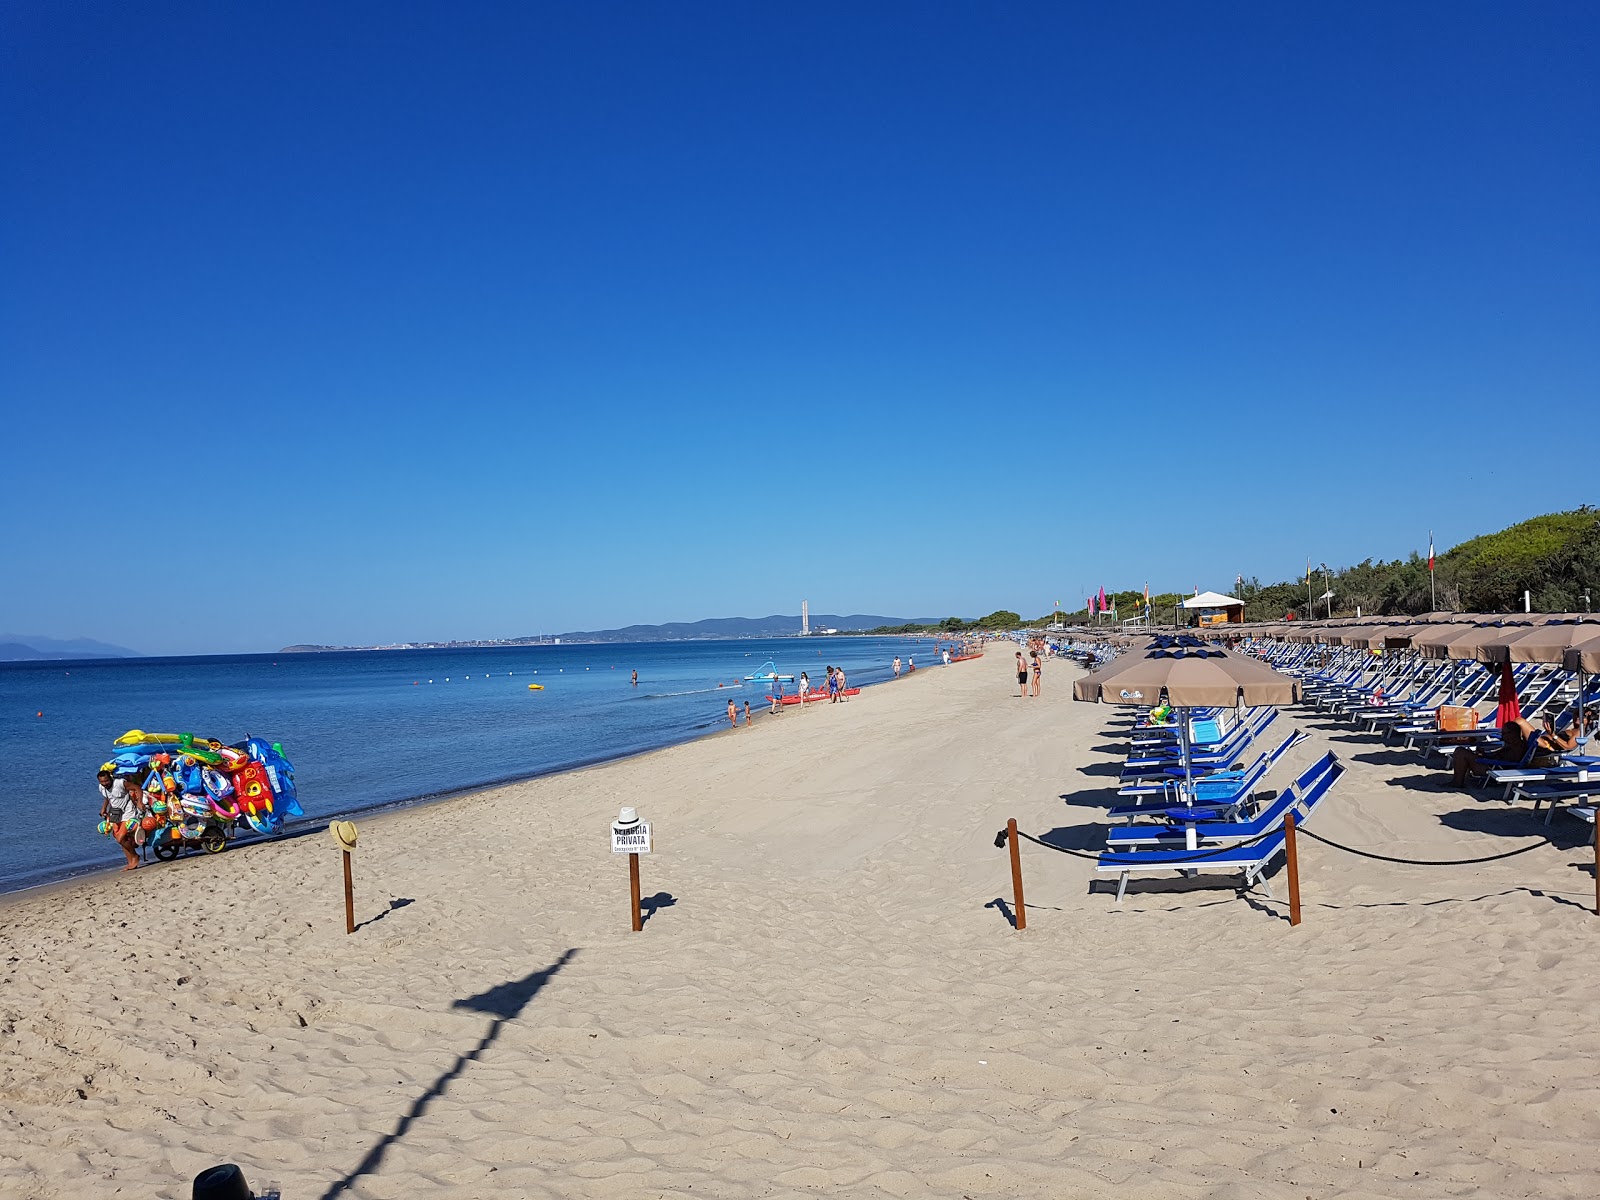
x=713, y=628
x=23, y=647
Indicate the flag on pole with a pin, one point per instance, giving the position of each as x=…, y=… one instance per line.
x=1103, y=607
x=1430, y=549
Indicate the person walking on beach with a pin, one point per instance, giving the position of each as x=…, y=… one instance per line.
x=947, y=656
x=733, y=713
x=120, y=809
x=747, y=714
x=805, y=688
x=1038, y=671
x=838, y=679
x=897, y=666
x=833, y=686
x=1022, y=676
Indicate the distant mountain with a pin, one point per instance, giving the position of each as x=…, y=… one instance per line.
x=737, y=627
x=18, y=647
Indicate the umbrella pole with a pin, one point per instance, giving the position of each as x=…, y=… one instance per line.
x=1188, y=778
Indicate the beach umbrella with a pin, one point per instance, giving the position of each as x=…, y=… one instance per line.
x=1539, y=643
x=1584, y=658
x=1510, y=708
x=1187, y=674
x=1436, y=642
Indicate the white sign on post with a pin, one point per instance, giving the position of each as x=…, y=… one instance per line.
x=633, y=838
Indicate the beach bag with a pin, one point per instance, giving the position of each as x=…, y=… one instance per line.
x=1454, y=718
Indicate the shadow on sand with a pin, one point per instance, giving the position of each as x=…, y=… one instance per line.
x=504, y=1002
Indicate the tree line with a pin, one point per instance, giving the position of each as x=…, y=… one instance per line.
x=1554, y=557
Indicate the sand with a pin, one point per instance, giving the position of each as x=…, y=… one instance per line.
x=827, y=997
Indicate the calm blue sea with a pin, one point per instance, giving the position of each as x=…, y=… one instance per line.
x=369, y=729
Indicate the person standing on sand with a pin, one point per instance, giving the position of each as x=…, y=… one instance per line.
x=733, y=713
x=897, y=666
x=120, y=808
x=838, y=679
x=747, y=714
x=947, y=656
x=1038, y=671
x=1022, y=676
x=805, y=688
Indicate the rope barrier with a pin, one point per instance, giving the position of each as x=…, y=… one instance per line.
x=1424, y=862
x=1109, y=856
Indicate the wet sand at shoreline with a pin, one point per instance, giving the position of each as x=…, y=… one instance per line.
x=827, y=995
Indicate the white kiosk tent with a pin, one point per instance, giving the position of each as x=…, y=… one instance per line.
x=1216, y=609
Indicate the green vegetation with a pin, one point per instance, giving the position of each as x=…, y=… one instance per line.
x=999, y=619
x=1555, y=556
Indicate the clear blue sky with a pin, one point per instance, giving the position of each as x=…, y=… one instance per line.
x=357, y=322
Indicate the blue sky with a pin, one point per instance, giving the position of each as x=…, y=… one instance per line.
x=360, y=322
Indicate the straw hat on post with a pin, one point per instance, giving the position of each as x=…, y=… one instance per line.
x=344, y=834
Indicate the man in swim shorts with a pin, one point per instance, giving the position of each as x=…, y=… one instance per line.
x=119, y=806
x=1022, y=676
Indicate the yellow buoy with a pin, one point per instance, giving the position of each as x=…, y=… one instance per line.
x=536, y=687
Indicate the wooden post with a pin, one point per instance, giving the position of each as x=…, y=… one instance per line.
x=1292, y=862
x=633, y=893
x=349, y=897
x=1016, y=872
x=1596, y=860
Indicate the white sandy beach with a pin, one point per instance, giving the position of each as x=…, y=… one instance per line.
x=833, y=1001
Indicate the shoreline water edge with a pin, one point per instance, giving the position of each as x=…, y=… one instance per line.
x=690, y=712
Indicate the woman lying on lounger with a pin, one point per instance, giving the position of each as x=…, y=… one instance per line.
x=1513, y=748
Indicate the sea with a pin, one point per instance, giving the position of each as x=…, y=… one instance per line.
x=374, y=729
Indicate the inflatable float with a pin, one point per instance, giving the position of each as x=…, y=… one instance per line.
x=198, y=792
x=813, y=697
x=536, y=687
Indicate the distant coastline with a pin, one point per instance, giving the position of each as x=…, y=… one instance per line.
x=711, y=629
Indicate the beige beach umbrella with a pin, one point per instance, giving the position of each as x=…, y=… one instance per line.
x=1537, y=643
x=1436, y=642
x=1189, y=677
x=1585, y=657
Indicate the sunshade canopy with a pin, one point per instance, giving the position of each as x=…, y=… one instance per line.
x=1585, y=657
x=1540, y=643
x=1212, y=600
x=1189, y=675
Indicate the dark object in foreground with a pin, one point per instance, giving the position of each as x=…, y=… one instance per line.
x=226, y=1183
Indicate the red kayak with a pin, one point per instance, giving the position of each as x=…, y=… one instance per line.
x=813, y=697
x=965, y=657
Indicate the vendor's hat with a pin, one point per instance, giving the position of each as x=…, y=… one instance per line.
x=344, y=833
x=222, y=1183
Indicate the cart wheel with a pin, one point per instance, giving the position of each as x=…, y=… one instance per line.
x=166, y=848
x=215, y=841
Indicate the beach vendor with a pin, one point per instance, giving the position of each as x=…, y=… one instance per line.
x=120, y=811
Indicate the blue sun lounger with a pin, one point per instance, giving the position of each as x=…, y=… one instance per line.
x=1207, y=829
x=1251, y=860
x=1220, y=790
